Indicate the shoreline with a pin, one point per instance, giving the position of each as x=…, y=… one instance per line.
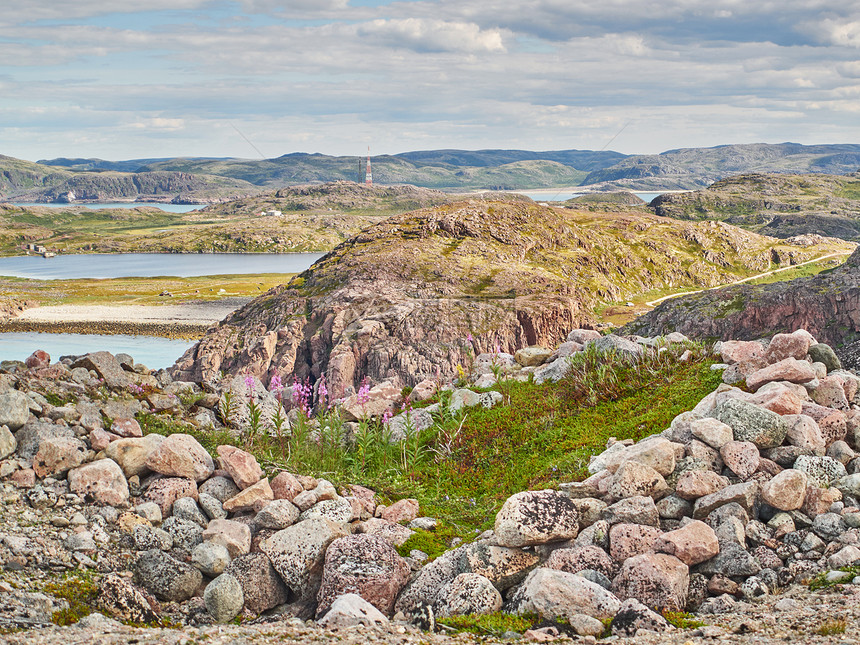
x=165, y=329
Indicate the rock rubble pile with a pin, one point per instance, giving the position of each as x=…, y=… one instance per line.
x=753, y=490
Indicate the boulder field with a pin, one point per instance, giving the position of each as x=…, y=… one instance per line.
x=749, y=494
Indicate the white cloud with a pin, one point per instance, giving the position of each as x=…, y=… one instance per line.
x=428, y=35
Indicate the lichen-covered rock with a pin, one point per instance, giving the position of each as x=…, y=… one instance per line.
x=742, y=457
x=633, y=510
x=633, y=478
x=262, y=587
x=789, y=369
x=101, y=481
x=242, y=466
x=627, y=540
x=693, y=484
x=122, y=600
x=786, y=491
x=502, y=566
x=364, y=564
x=655, y=579
x=749, y=422
x=351, y=610
x=131, y=453
x=57, y=455
x=166, y=577
x=555, y=594
x=691, y=544
x=580, y=558
x=469, y=593
x=298, y=553
x=224, y=598
x=425, y=588
x=277, y=515
x=181, y=455
x=744, y=494
x=235, y=536
x=536, y=517
x=249, y=498
x=14, y=409
x=634, y=616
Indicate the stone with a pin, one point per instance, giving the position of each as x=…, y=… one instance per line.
x=554, y=594
x=337, y=510
x=101, y=481
x=181, y=455
x=250, y=498
x=122, y=600
x=634, y=479
x=211, y=558
x=674, y=507
x=57, y=455
x=240, y=465
x=830, y=393
x=742, y=457
x=786, y=490
x=186, y=508
x=147, y=537
x=165, y=577
x=633, y=510
x=14, y=409
x=126, y=428
x=403, y=510
x=131, y=454
x=655, y=579
x=782, y=346
x=426, y=586
x=503, y=566
x=845, y=557
x=582, y=336
x=298, y=553
x=167, y=490
x=351, y=610
x=470, y=593
x=657, y=452
x=186, y=535
x=394, y=533
x=749, y=422
x=627, y=540
x=8, y=443
x=532, y=356
x=536, y=517
x=586, y=625
x=789, y=369
x=284, y=486
x=633, y=616
x=694, y=484
x=745, y=494
x=612, y=344
x=822, y=353
x=841, y=452
x=463, y=398
x=262, y=587
x=804, y=432
x=39, y=359
x=33, y=433
x=732, y=561
x=820, y=471
x=150, y=511
x=833, y=423
x=712, y=432
x=379, y=400
x=779, y=399
x=701, y=455
x=829, y=526
x=691, y=544
x=277, y=515
x=590, y=510
x=224, y=598
x=423, y=390
x=364, y=564
x=234, y=536
x=552, y=372
x=100, y=439
x=107, y=368
x=742, y=352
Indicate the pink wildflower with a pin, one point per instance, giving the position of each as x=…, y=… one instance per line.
x=275, y=385
x=363, y=395
x=386, y=417
x=470, y=338
x=249, y=384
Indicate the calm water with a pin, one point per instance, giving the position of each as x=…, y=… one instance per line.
x=167, y=208
x=152, y=351
x=550, y=196
x=125, y=265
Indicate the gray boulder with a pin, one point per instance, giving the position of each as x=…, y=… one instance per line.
x=224, y=598
x=166, y=577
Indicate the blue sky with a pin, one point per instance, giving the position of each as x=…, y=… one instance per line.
x=180, y=77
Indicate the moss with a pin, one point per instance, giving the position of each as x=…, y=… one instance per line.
x=682, y=619
x=80, y=590
x=433, y=543
x=832, y=626
x=489, y=624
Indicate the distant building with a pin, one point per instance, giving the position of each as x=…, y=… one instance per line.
x=272, y=213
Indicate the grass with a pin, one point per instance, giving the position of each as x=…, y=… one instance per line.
x=463, y=468
x=820, y=581
x=140, y=291
x=832, y=626
x=681, y=619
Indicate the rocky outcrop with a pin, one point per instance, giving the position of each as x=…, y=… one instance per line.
x=827, y=305
x=419, y=294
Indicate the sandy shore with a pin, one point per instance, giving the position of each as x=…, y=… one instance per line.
x=189, y=320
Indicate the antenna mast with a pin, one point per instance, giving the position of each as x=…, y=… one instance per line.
x=368, y=175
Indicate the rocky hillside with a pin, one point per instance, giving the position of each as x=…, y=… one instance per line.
x=416, y=295
x=828, y=305
x=339, y=196
x=692, y=168
x=777, y=205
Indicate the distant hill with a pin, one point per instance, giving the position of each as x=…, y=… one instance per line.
x=692, y=168
x=469, y=170
x=779, y=205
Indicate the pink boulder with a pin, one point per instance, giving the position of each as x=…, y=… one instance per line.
x=242, y=466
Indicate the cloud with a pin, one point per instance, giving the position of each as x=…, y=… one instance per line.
x=427, y=35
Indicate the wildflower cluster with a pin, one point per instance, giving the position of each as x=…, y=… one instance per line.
x=303, y=396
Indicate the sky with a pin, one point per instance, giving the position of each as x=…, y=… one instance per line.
x=263, y=78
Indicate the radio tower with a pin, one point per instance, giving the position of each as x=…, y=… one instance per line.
x=368, y=175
